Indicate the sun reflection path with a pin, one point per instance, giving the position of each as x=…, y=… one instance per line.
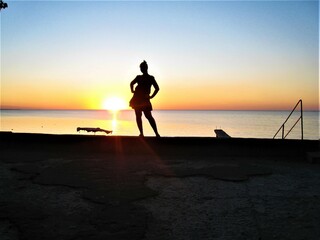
x=114, y=120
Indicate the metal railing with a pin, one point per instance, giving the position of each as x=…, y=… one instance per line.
x=299, y=119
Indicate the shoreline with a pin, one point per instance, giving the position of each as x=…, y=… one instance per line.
x=205, y=147
x=309, y=144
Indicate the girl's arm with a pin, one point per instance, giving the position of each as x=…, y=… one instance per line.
x=132, y=84
x=156, y=89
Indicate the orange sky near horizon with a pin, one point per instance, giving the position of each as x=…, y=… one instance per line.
x=235, y=97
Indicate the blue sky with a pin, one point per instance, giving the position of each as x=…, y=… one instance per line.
x=94, y=48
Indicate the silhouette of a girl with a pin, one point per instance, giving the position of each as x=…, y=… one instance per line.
x=140, y=101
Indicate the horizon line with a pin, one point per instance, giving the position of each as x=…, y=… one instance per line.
x=86, y=109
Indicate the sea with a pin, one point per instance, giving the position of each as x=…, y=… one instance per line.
x=171, y=123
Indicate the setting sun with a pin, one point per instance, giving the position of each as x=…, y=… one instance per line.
x=114, y=104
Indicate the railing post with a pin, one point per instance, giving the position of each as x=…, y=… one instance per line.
x=301, y=119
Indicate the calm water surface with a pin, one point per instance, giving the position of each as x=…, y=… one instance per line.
x=244, y=124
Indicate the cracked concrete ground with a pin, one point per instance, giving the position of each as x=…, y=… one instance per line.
x=74, y=187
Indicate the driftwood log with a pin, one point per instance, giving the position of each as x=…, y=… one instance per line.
x=94, y=130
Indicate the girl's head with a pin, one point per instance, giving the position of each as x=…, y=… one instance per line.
x=144, y=67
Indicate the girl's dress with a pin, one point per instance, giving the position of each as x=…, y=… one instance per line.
x=141, y=97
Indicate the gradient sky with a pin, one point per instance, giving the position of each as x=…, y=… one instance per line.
x=204, y=55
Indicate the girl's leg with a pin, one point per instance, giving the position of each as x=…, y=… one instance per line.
x=139, y=121
x=152, y=122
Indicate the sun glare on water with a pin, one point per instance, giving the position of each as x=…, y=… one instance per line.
x=114, y=104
